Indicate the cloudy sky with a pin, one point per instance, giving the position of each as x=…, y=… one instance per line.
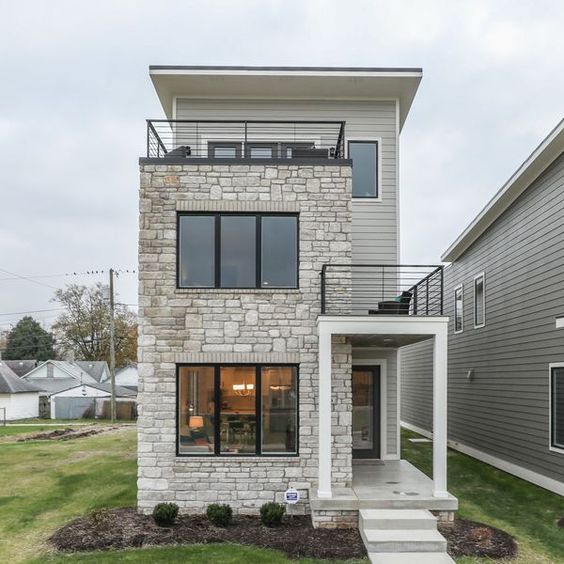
x=75, y=91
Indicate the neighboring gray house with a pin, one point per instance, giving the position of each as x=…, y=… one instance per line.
x=504, y=293
x=272, y=301
x=98, y=369
x=21, y=367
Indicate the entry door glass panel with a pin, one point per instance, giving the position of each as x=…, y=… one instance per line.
x=366, y=412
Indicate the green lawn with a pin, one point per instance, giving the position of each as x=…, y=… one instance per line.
x=491, y=496
x=197, y=554
x=46, y=484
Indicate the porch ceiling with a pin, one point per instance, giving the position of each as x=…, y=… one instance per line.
x=386, y=341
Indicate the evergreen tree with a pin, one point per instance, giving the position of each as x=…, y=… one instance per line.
x=29, y=341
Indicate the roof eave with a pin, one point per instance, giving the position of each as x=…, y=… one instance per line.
x=389, y=83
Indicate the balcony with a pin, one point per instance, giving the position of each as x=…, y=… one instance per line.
x=183, y=140
x=372, y=289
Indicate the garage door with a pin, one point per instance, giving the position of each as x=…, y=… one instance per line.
x=74, y=408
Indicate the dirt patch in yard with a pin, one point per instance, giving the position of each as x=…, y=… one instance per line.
x=467, y=538
x=125, y=528
x=67, y=434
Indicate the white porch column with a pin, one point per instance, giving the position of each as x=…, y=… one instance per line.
x=440, y=379
x=324, y=431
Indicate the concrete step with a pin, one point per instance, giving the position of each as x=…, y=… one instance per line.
x=403, y=540
x=396, y=519
x=410, y=502
x=410, y=558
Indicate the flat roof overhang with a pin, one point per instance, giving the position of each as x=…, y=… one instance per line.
x=300, y=83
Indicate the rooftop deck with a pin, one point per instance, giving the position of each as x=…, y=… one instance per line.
x=249, y=139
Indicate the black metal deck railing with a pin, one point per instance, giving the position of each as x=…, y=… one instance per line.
x=245, y=139
x=378, y=289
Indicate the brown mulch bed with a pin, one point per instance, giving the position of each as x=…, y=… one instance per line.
x=125, y=528
x=468, y=538
x=66, y=434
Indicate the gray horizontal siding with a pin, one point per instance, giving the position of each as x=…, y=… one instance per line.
x=416, y=394
x=504, y=409
x=375, y=225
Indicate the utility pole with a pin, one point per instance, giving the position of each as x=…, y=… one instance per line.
x=112, y=348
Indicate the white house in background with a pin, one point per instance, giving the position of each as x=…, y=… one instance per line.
x=128, y=377
x=18, y=399
x=71, y=390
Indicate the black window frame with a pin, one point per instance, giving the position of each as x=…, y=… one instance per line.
x=482, y=277
x=553, y=444
x=459, y=289
x=258, y=250
x=213, y=145
x=375, y=142
x=258, y=411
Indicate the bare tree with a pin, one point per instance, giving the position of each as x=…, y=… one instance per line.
x=83, y=329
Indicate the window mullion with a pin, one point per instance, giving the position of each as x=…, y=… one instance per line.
x=258, y=410
x=258, y=245
x=218, y=250
x=217, y=410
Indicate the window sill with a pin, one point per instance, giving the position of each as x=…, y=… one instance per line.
x=367, y=201
x=239, y=290
x=284, y=458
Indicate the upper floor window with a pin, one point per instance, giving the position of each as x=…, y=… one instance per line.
x=364, y=155
x=480, y=300
x=458, y=309
x=237, y=250
x=557, y=407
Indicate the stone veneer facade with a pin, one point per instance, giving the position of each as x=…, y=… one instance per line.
x=238, y=326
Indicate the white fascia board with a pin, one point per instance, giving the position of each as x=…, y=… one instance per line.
x=382, y=324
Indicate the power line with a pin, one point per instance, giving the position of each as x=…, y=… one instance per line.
x=33, y=311
x=28, y=279
x=92, y=272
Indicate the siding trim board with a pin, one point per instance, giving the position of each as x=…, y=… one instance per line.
x=551, y=445
x=514, y=469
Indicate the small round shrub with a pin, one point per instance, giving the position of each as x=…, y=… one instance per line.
x=165, y=514
x=220, y=515
x=271, y=514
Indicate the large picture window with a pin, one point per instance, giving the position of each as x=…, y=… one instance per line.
x=237, y=410
x=237, y=251
x=458, y=309
x=557, y=407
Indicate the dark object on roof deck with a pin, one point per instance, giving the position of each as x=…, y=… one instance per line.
x=309, y=153
x=393, y=307
x=182, y=151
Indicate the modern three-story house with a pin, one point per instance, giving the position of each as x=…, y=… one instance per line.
x=272, y=299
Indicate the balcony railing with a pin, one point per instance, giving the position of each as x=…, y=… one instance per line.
x=207, y=139
x=376, y=289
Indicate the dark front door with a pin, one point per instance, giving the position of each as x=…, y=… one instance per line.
x=366, y=411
